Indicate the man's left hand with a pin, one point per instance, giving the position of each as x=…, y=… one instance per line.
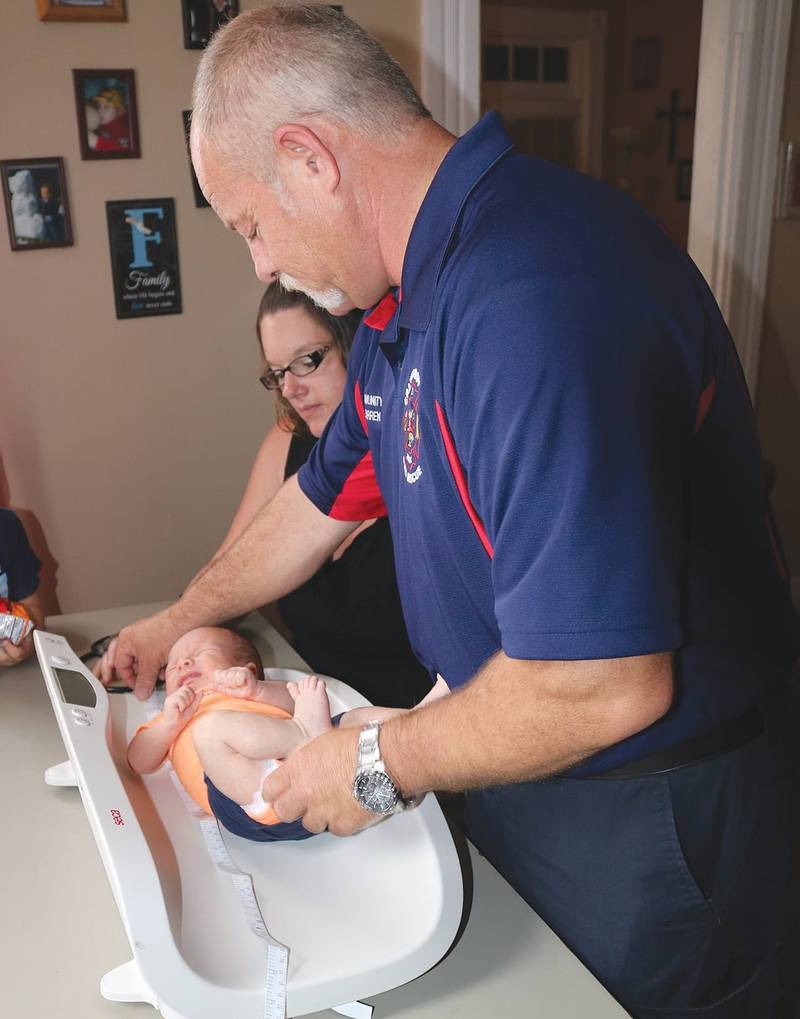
x=315, y=784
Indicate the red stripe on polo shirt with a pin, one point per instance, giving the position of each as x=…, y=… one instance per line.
x=704, y=404
x=381, y=314
x=360, y=497
x=460, y=480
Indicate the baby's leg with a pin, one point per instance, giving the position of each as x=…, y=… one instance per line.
x=233, y=745
x=312, y=712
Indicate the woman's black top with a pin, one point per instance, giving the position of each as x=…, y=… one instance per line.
x=346, y=621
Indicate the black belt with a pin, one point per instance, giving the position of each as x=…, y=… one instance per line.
x=722, y=740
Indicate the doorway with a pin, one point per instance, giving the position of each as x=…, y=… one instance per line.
x=607, y=87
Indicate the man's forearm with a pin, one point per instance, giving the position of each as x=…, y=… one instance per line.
x=284, y=545
x=519, y=721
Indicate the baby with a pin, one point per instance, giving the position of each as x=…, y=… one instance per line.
x=223, y=726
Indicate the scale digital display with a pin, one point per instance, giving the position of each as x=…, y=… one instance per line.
x=75, y=689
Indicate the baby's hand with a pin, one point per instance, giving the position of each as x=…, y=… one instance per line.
x=236, y=682
x=180, y=706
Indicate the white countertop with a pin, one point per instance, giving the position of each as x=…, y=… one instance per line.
x=60, y=930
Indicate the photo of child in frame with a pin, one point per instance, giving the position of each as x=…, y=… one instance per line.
x=35, y=197
x=106, y=107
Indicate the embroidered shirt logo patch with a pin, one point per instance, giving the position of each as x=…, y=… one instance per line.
x=411, y=454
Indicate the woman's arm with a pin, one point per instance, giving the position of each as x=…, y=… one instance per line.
x=13, y=654
x=363, y=716
x=266, y=477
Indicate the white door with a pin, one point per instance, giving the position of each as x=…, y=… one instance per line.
x=543, y=71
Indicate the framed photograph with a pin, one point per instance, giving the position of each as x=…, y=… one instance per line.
x=683, y=186
x=201, y=19
x=144, y=257
x=81, y=10
x=646, y=62
x=106, y=106
x=199, y=198
x=35, y=193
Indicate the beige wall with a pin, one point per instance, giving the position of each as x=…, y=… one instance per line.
x=778, y=397
x=128, y=442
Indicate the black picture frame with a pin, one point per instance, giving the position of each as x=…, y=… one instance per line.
x=646, y=62
x=105, y=103
x=37, y=206
x=144, y=257
x=201, y=19
x=199, y=198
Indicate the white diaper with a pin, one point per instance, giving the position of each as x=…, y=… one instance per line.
x=258, y=805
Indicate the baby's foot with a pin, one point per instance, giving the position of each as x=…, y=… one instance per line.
x=312, y=712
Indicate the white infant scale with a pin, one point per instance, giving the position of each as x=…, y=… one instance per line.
x=360, y=915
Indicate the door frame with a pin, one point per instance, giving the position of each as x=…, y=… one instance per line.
x=741, y=82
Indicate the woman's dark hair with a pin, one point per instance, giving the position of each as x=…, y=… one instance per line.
x=340, y=328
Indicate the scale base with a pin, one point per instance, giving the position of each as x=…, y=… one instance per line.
x=61, y=775
x=126, y=983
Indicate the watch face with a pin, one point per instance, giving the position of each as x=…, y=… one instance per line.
x=376, y=792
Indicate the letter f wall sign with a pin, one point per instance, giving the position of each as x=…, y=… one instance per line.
x=144, y=257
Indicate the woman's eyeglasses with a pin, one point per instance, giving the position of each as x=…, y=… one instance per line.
x=303, y=365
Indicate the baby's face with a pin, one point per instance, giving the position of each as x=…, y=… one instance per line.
x=196, y=656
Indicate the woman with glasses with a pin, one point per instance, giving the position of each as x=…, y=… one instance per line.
x=345, y=621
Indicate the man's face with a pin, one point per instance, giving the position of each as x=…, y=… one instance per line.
x=195, y=657
x=286, y=242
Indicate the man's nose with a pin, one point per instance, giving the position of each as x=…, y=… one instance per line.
x=265, y=270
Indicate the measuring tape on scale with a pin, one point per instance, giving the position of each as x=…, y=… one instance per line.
x=277, y=952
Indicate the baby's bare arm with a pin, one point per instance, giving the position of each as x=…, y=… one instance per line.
x=148, y=748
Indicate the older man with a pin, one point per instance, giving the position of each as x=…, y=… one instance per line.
x=552, y=409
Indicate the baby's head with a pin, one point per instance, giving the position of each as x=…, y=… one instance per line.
x=195, y=657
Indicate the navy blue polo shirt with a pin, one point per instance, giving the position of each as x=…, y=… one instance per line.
x=557, y=422
x=19, y=567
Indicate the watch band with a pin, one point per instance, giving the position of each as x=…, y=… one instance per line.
x=369, y=751
x=369, y=759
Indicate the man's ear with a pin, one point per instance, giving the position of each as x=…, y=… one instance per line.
x=304, y=154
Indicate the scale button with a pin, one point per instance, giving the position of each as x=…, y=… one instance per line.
x=83, y=720
x=59, y=660
x=79, y=713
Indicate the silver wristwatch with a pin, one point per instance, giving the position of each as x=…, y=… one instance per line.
x=373, y=787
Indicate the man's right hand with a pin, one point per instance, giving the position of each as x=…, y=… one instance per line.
x=138, y=652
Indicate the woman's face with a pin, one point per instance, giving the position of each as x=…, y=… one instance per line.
x=290, y=333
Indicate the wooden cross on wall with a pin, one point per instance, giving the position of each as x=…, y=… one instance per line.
x=673, y=115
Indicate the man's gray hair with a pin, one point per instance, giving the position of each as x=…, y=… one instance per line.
x=288, y=62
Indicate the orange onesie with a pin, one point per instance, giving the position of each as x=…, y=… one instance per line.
x=183, y=756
